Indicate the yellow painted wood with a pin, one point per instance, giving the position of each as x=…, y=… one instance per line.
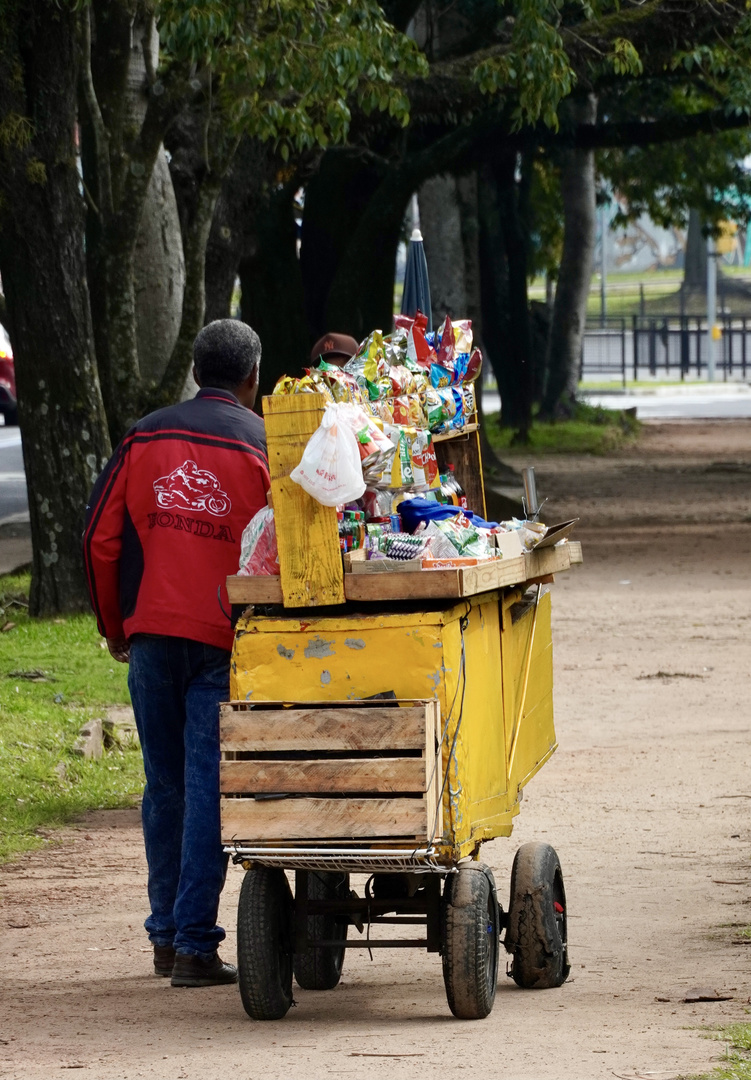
x=310, y=560
x=418, y=655
x=536, y=739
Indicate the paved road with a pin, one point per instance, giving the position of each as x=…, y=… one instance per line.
x=13, y=498
x=701, y=403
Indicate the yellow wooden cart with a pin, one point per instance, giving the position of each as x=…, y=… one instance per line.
x=386, y=723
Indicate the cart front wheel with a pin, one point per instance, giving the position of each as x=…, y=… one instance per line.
x=316, y=968
x=264, y=947
x=469, y=941
x=536, y=934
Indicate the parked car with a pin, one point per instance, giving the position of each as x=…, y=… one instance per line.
x=8, y=402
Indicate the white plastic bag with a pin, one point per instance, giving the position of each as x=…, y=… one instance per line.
x=330, y=469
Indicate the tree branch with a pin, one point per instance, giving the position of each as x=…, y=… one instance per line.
x=648, y=132
x=101, y=136
x=148, y=52
x=195, y=239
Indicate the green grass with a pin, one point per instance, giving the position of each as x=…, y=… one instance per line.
x=54, y=675
x=661, y=290
x=735, y=1063
x=592, y=430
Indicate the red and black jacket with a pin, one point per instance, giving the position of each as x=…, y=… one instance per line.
x=164, y=520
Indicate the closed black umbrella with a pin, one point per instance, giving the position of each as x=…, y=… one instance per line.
x=416, y=295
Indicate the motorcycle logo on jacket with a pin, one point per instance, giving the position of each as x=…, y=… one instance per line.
x=189, y=488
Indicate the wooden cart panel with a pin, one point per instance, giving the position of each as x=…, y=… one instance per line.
x=322, y=795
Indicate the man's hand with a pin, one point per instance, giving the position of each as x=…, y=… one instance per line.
x=119, y=649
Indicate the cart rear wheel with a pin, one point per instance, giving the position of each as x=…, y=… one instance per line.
x=321, y=969
x=469, y=941
x=536, y=934
x=264, y=947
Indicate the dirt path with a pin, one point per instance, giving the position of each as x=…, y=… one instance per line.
x=647, y=802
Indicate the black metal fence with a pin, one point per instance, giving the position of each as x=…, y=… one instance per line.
x=643, y=346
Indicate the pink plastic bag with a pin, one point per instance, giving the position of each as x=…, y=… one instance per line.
x=258, y=551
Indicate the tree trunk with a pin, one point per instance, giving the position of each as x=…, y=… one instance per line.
x=570, y=308
x=159, y=263
x=514, y=206
x=441, y=226
x=271, y=291
x=493, y=286
x=695, y=266
x=195, y=240
x=243, y=197
x=62, y=420
x=159, y=275
x=336, y=198
x=503, y=269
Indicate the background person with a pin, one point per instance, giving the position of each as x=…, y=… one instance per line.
x=334, y=349
x=163, y=530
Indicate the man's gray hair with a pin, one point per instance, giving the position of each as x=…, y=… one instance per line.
x=225, y=353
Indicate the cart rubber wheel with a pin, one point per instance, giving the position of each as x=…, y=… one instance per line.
x=264, y=946
x=321, y=969
x=536, y=934
x=469, y=941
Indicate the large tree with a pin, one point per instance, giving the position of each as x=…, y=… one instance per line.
x=285, y=73
x=269, y=86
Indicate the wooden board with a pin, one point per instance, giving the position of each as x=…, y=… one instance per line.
x=434, y=584
x=462, y=450
x=427, y=584
x=307, y=534
x=446, y=436
x=322, y=729
x=322, y=819
x=364, y=775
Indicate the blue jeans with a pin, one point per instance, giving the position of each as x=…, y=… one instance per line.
x=176, y=686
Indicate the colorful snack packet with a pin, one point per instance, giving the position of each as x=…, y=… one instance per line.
x=424, y=462
x=463, y=335
x=418, y=349
x=285, y=385
x=440, y=376
x=401, y=409
x=474, y=366
x=440, y=407
x=447, y=347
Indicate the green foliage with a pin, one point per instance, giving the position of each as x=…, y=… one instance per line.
x=535, y=69
x=625, y=58
x=590, y=430
x=287, y=71
x=54, y=675
x=546, y=236
x=723, y=67
x=705, y=172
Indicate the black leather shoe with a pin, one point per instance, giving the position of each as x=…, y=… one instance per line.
x=204, y=970
x=164, y=959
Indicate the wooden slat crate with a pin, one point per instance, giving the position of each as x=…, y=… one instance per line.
x=364, y=771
